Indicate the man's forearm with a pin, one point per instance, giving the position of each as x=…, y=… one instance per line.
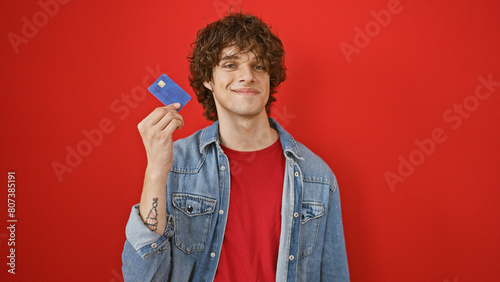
x=153, y=203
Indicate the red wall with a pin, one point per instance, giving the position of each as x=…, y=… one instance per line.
x=398, y=107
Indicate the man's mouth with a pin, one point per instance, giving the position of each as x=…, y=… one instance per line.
x=246, y=91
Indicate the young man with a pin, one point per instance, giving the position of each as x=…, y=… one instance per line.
x=239, y=200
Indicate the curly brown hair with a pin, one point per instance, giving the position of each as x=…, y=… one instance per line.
x=247, y=33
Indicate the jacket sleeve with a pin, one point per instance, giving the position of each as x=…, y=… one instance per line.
x=146, y=255
x=334, y=267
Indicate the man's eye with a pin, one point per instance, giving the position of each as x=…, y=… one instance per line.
x=229, y=66
x=259, y=67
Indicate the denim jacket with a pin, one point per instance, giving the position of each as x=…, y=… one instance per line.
x=311, y=244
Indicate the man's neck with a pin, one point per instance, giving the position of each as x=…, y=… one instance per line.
x=247, y=133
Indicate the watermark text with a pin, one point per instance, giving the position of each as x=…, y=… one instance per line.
x=11, y=221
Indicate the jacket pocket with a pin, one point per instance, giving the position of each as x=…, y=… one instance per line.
x=309, y=225
x=193, y=217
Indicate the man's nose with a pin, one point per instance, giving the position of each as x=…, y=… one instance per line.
x=246, y=73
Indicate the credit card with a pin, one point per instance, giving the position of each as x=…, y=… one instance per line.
x=168, y=92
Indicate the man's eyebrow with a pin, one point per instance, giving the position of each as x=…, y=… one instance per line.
x=229, y=58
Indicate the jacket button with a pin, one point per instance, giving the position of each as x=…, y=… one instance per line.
x=222, y=168
x=296, y=214
x=296, y=174
x=190, y=209
x=291, y=257
x=221, y=212
x=212, y=254
x=154, y=245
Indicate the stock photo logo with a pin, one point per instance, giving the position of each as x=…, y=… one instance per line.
x=454, y=117
x=94, y=137
x=363, y=37
x=31, y=26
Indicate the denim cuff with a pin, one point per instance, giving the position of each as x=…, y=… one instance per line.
x=145, y=241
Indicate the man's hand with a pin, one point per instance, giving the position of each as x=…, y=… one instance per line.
x=156, y=131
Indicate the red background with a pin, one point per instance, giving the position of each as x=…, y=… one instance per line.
x=440, y=224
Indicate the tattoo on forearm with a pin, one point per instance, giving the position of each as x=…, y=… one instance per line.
x=152, y=219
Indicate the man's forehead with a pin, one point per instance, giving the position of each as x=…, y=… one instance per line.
x=234, y=52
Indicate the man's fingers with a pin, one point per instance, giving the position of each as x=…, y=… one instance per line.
x=172, y=126
x=174, y=106
x=152, y=118
x=168, y=118
x=157, y=115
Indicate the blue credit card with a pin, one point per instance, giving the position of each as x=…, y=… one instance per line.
x=168, y=92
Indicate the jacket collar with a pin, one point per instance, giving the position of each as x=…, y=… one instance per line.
x=210, y=135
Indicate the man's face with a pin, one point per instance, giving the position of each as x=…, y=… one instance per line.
x=240, y=85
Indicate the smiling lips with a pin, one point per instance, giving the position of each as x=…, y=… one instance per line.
x=247, y=91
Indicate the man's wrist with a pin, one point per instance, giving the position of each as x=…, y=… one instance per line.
x=156, y=174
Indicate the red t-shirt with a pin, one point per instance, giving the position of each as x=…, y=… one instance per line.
x=251, y=242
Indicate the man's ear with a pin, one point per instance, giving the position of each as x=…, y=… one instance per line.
x=208, y=85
